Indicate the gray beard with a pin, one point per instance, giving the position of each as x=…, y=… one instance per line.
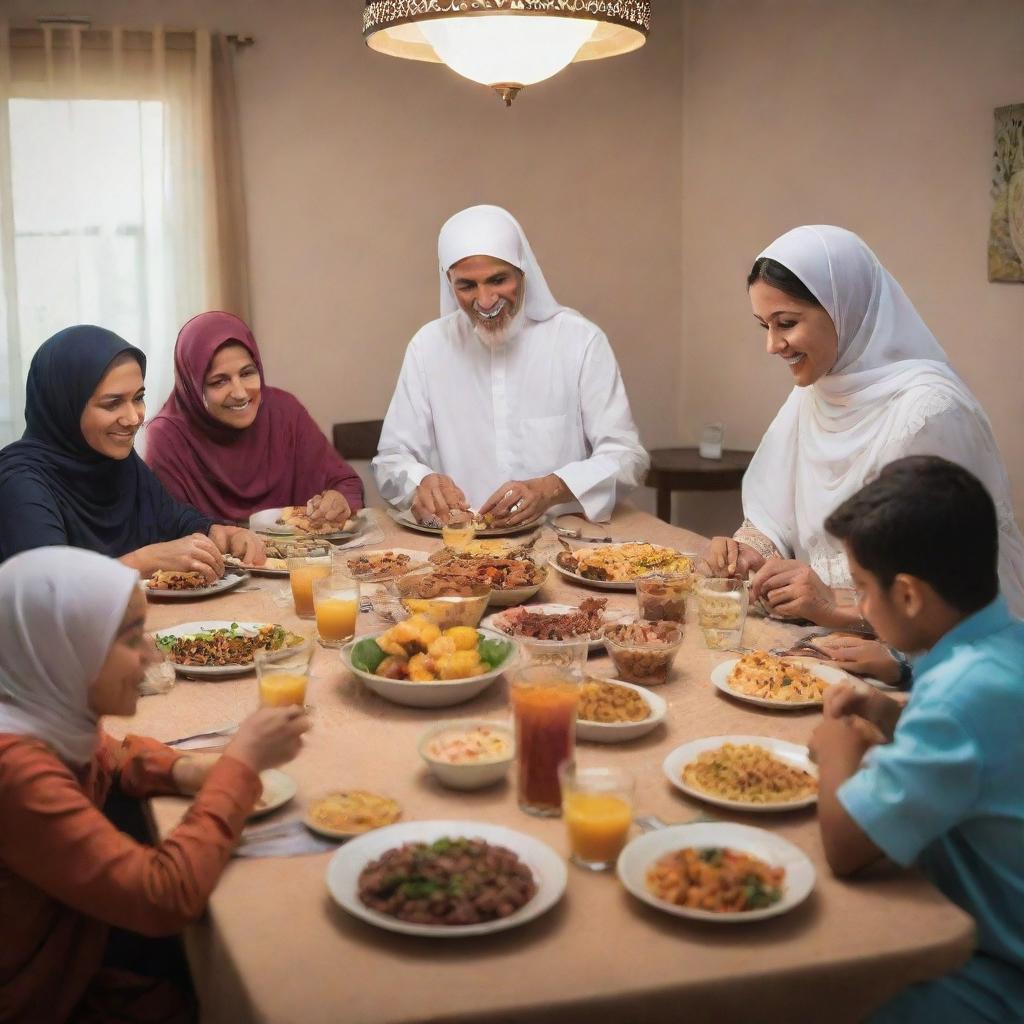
x=496, y=337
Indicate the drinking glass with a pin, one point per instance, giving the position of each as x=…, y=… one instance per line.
x=302, y=573
x=722, y=611
x=283, y=676
x=566, y=655
x=458, y=535
x=544, y=702
x=597, y=805
x=336, y=604
x=663, y=596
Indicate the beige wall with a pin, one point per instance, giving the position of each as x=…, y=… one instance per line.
x=353, y=161
x=877, y=116
x=647, y=184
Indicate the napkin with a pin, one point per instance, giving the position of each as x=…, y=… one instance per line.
x=281, y=839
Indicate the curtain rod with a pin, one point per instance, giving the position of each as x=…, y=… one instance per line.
x=238, y=39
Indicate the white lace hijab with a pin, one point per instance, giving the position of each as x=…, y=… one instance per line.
x=891, y=393
x=60, y=609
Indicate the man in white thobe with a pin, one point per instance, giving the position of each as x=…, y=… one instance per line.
x=509, y=404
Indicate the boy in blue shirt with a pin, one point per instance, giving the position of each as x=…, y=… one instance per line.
x=939, y=783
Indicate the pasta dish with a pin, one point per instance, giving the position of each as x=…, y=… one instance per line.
x=715, y=879
x=761, y=674
x=620, y=563
x=748, y=774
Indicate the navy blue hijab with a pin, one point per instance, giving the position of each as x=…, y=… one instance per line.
x=55, y=488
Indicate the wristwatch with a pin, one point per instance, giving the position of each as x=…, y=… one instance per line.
x=906, y=678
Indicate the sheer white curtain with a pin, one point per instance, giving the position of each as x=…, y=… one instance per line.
x=118, y=204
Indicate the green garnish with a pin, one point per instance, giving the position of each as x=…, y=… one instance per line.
x=367, y=655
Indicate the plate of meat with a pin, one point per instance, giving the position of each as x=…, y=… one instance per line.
x=189, y=586
x=555, y=621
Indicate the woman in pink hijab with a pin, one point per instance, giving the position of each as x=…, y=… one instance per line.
x=229, y=445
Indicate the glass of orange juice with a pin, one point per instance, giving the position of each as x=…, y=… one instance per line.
x=302, y=573
x=283, y=676
x=544, y=701
x=457, y=535
x=597, y=805
x=336, y=604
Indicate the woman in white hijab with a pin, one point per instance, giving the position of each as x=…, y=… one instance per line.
x=872, y=385
x=73, y=649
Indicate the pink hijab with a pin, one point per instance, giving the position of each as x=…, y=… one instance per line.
x=281, y=459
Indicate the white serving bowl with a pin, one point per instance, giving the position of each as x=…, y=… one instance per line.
x=472, y=775
x=441, y=693
x=622, y=732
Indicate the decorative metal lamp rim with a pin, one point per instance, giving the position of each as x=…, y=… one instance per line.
x=381, y=15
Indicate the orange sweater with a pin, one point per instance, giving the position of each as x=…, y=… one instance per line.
x=66, y=873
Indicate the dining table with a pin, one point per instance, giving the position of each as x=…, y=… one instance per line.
x=274, y=947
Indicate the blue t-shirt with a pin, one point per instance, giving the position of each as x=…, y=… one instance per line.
x=948, y=794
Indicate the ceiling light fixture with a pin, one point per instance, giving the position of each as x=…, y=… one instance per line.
x=506, y=44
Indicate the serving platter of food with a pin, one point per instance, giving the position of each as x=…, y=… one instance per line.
x=512, y=580
x=611, y=711
x=483, y=525
x=776, y=682
x=213, y=650
x=555, y=621
x=619, y=566
x=744, y=773
x=716, y=871
x=189, y=586
x=446, y=879
x=418, y=664
x=383, y=564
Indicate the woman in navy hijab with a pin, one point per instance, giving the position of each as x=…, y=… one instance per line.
x=74, y=478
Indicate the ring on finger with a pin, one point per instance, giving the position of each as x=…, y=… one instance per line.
x=515, y=508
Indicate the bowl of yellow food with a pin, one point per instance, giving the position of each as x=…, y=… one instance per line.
x=447, y=599
x=421, y=665
x=611, y=711
x=469, y=754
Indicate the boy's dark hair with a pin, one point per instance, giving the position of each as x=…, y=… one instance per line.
x=774, y=273
x=929, y=518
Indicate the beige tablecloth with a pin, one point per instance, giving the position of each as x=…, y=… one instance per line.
x=275, y=948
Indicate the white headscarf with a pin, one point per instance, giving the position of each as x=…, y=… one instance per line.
x=492, y=231
x=891, y=376
x=59, y=613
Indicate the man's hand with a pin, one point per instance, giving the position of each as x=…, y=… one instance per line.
x=728, y=557
x=436, y=498
x=522, y=501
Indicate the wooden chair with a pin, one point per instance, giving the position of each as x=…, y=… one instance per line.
x=358, y=440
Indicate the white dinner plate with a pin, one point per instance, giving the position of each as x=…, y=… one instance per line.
x=278, y=789
x=265, y=523
x=792, y=753
x=495, y=620
x=405, y=518
x=213, y=671
x=829, y=675
x=347, y=863
x=642, y=852
x=227, y=582
x=599, y=584
x=623, y=732
x=440, y=693
x=416, y=558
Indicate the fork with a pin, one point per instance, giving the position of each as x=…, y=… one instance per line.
x=651, y=822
